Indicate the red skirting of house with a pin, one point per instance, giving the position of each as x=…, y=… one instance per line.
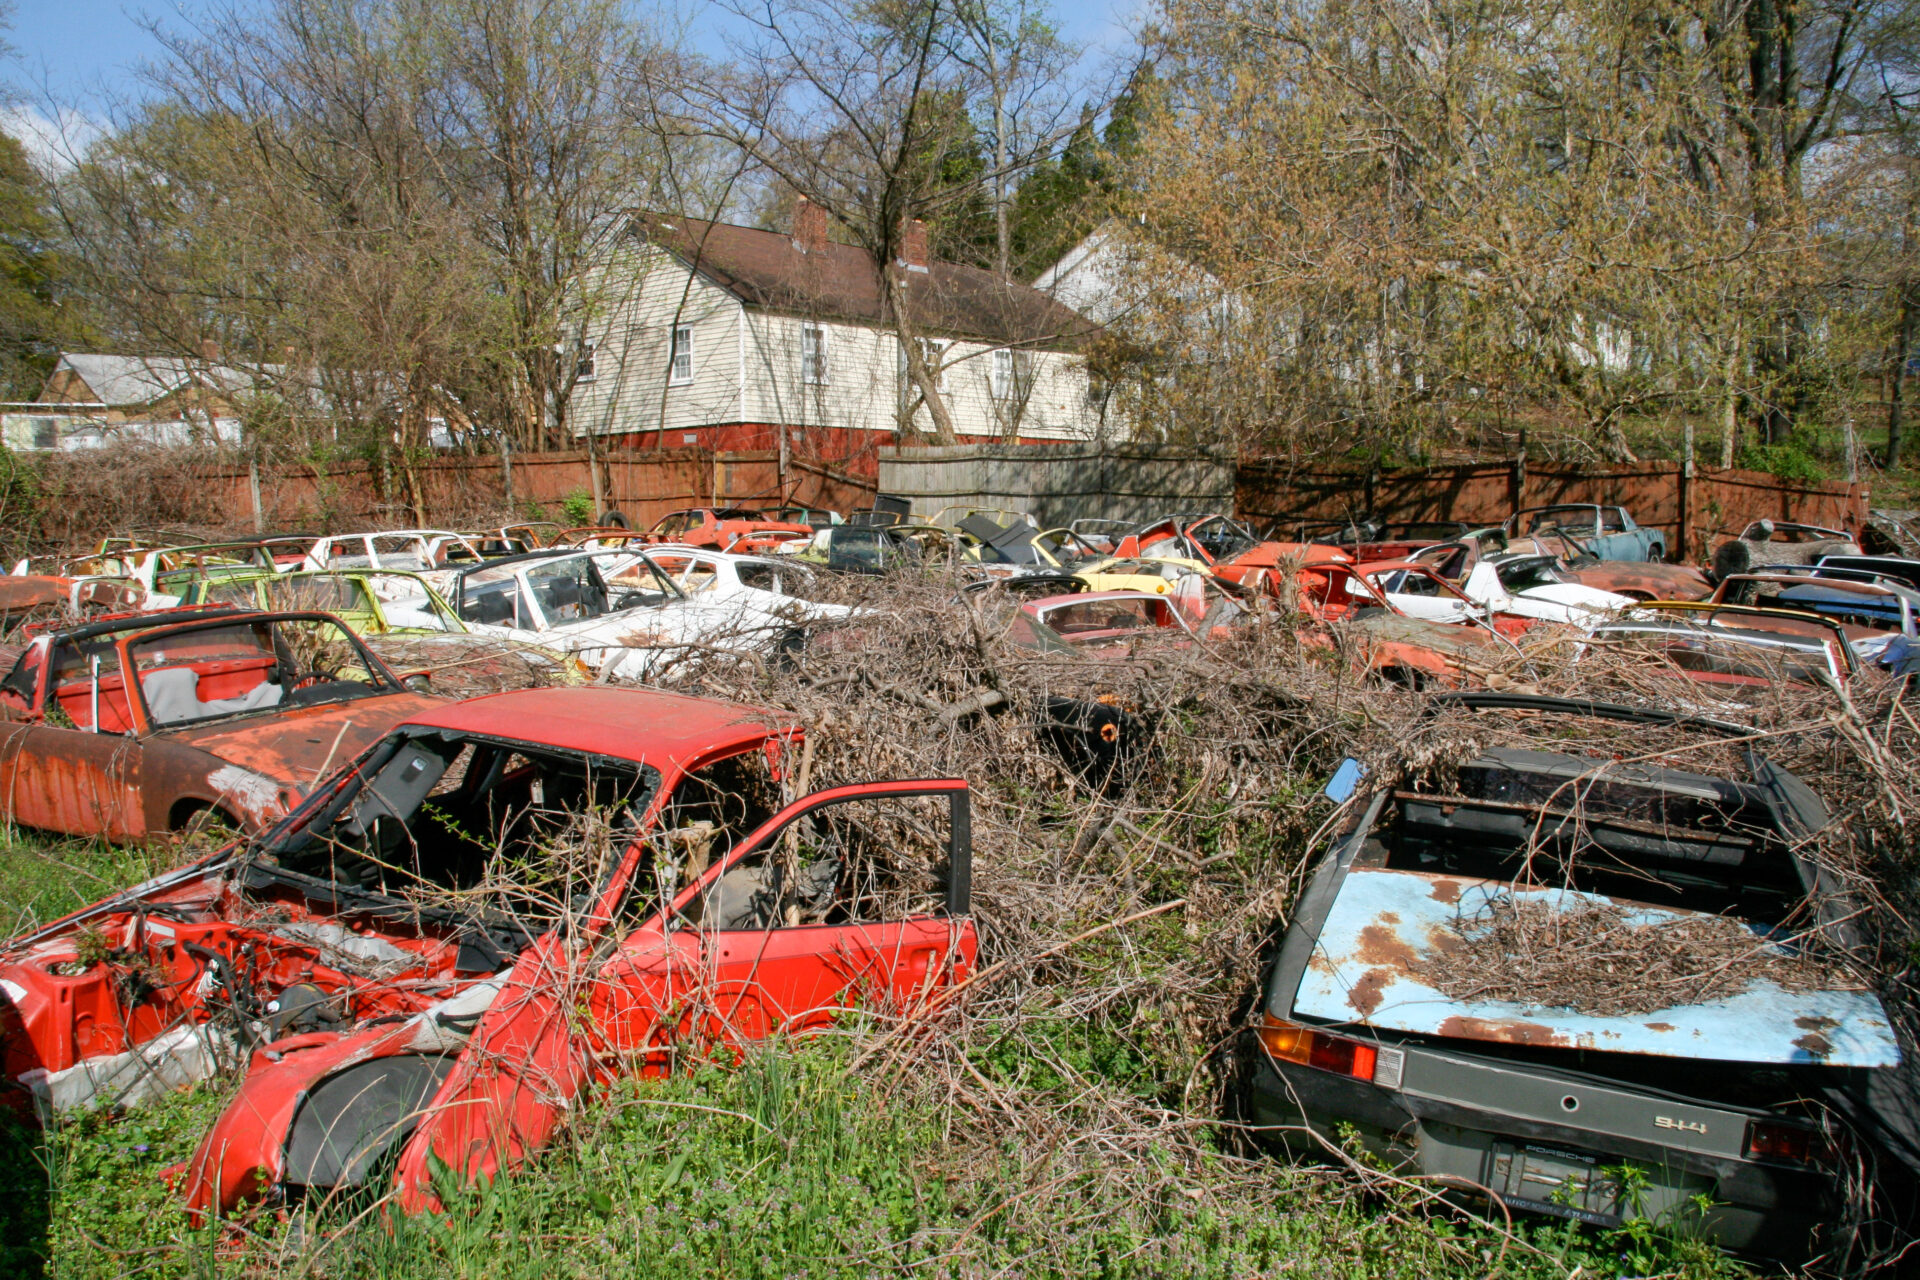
x=848, y=449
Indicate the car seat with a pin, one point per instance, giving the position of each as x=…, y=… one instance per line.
x=173, y=697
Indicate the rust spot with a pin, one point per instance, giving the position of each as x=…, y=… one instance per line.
x=1447, y=891
x=1815, y=1023
x=1389, y=917
x=1660, y=1026
x=1365, y=996
x=1815, y=1043
x=1504, y=1032
x=1380, y=945
x=1442, y=939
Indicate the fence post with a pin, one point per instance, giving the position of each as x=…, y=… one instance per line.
x=1519, y=480
x=1686, y=494
x=253, y=491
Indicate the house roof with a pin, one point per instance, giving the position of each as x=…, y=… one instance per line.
x=141, y=380
x=766, y=269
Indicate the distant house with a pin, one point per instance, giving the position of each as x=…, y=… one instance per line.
x=91, y=399
x=702, y=333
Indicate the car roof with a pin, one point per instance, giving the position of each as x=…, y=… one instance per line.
x=524, y=557
x=679, y=729
x=150, y=621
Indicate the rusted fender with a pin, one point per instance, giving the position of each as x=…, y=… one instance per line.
x=1648, y=581
x=36, y=591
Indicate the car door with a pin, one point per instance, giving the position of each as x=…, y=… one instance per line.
x=1420, y=597
x=71, y=780
x=800, y=924
x=55, y=772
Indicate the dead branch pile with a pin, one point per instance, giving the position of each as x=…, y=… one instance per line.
x=1598, y=959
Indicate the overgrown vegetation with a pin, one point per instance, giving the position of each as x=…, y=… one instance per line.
x=1067, y=1116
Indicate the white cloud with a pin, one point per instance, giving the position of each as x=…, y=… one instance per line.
x=53, y=142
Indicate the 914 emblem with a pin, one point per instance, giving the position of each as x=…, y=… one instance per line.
x=1685, y=1126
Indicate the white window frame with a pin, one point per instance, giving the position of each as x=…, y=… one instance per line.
x=679, y=354
x=813, y=355
x=583, y=361
x=1000, y=374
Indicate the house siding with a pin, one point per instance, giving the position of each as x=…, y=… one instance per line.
x=634, y=302
x=748, y=368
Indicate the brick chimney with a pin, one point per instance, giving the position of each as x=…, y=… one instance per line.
x=210, y=351
x=809, y=227
x=913, y=245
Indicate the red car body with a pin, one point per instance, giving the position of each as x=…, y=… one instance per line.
x=478, y=1033
x=1099, y=618
x=1253, y=567
x=83, y=752
x=1352, y=616
x=736, y=529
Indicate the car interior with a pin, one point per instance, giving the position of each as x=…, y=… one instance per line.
x=1659, y=837
x=208, y=672
x=493, y=836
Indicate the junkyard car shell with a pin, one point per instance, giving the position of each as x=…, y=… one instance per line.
x=1609, y=532
x=251, y=767
x=1477, y=1094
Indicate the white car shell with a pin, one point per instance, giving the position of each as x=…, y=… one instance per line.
x=778, y=586
x=434, y=553
x=620, y=616
x=1531, y=585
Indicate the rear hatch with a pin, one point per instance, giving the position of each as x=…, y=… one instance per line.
x=1396, y=944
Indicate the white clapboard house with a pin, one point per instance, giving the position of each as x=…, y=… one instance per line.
x=703, y=333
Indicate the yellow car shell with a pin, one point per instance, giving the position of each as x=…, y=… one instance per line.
x=1146, y=574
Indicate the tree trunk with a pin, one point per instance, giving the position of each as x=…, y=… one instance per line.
x=1730, y=399
x=1896, y=397
x=1003, y=235
x=924, y=379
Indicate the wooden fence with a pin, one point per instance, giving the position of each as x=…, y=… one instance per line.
x=1057, y=483
x=82, y=496
x=1697, y=510
x=643, y=484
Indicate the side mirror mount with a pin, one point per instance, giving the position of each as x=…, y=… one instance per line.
x=418, y=681
x=1345, y=781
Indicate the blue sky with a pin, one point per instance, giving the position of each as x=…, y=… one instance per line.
x=78, y=47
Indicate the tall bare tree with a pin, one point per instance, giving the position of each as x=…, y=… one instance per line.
x=860, y=108
x=390, y=193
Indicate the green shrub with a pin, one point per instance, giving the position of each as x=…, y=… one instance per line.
x=1792, y=460
x=578, y=508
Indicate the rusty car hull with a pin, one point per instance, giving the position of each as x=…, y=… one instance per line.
x=85, y=755
x=293, y=954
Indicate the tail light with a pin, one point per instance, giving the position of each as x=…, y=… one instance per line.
x=1786, y=1143
x=1317, y=1049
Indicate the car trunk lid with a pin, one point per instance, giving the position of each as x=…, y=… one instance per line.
x=1388, y=931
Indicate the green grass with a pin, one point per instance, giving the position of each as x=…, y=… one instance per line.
x=798, y=1163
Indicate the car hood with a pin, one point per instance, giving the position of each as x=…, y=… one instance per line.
x=1578, y=596
x=1660, y=581
x=1443, y=637
x=297, y=746
x=1385, y=928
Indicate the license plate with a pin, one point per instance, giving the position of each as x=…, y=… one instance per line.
x=1553, y=1180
